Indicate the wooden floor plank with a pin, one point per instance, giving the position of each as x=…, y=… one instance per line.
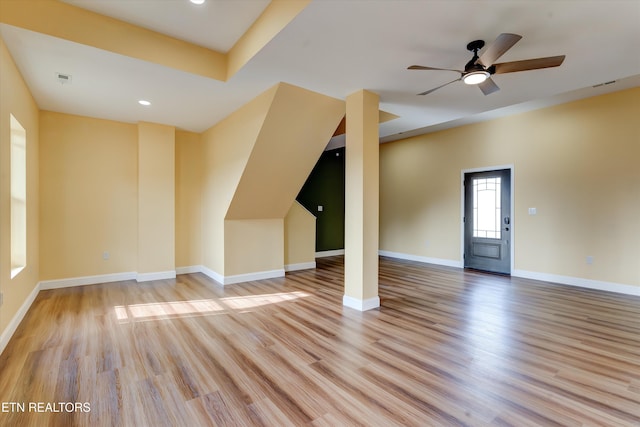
x=447, y=347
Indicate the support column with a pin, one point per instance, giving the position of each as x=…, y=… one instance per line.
x=156, y=202
x=361, y=202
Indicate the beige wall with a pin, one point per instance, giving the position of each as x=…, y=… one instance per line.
x=577, y=163
x=296, y=128
x=188, y=209
x=94, y=201
x=111, y=187
x=299, y=236
x=255, y=162
x=226, y=149
x=16, y=100
x=253, y=246
x=89, y=205
x=156, y=199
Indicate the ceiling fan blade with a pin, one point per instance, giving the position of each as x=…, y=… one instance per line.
x=528, y=64
x=421, y=67
x=495, y=50
x=441, y=86
x=488, y=86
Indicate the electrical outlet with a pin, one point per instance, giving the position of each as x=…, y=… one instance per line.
x=589, y=260
x=105, y=255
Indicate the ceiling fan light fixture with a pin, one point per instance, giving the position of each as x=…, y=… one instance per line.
x=476, y=77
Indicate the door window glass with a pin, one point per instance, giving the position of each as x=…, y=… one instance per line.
x=486, y=207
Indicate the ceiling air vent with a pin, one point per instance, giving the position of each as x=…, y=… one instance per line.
x=63, y=78
x=604, y=84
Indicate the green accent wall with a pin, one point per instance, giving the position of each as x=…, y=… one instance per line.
x=325, y=187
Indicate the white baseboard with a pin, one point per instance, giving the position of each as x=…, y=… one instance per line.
x=300, y=266
x=189, y=269
x=239, y=278
x=360, y=304
x=15, y=321
x=248, y=277
x=323, y=254
x=579, y=282
x=87, y=280
x=212, y=274
x=409, y=257
x=156, y=275
x=545, y=277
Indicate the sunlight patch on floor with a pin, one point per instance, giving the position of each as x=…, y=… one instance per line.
x=204, y=307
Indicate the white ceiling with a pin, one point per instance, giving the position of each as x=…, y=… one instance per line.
x=338, y=47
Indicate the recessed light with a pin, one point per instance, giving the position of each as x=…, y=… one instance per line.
x=197, y=1
x=144, y=102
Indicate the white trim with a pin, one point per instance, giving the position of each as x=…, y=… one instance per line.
x=512, y=207
x=323, y=254
x=248, y=277
x=189, y=269
x=87, y=280
x=214, y=275
x=545, y=277
x=300, y=266
x=620, y=288
x=17, y=319
x=409, y=257
x=156, y=275
x=240, y=278
x=361, y=304
x=579, y=282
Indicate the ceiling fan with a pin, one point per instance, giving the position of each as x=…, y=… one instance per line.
x=479, y=69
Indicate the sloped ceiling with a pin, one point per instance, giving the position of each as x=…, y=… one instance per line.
x=336, y=48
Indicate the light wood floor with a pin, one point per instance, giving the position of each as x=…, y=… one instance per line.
x=446, y=348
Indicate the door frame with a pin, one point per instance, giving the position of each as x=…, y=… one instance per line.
x=512, y=206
